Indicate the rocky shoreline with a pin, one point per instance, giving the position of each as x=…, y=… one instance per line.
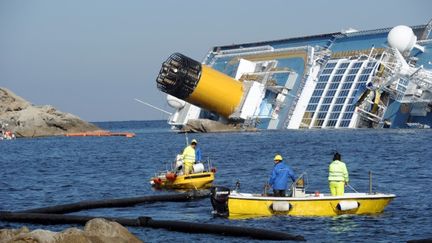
x=206, y=126
x=27, y=120
x=95, y=230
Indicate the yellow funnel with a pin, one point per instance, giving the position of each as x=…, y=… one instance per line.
x=200, y=85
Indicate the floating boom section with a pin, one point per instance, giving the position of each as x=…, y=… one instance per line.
x=199, y=85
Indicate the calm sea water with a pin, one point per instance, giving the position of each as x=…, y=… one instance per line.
x=41, y=172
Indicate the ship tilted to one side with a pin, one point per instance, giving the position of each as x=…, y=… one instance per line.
x=352, y=79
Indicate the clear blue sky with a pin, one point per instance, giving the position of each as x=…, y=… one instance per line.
x=93, y=57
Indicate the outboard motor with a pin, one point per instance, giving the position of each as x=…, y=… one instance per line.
x=219, y=200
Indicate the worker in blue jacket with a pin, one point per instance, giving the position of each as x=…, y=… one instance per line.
x=198, y=156
x=279, y=177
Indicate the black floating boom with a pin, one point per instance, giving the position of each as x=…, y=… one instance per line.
x=181, y=226
x=114, y=203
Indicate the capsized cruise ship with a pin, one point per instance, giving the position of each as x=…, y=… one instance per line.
x=351, y=79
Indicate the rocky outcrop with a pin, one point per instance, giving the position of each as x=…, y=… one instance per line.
x=27, y=120
x=206, y=125
x=95, y=230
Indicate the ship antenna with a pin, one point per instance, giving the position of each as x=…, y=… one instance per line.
x=154, y=107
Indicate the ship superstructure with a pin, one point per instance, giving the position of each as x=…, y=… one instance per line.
x=351, y=79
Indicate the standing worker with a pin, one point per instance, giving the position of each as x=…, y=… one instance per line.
x=338, y=176
x=189, y=157
x=198, y=156
x=279, y=177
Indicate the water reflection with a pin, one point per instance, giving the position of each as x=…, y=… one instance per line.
x=342, y=224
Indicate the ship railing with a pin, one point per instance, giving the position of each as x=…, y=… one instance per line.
x=368, y=115
x=299, y=186
x=246, y=49
x=298, y=94
x=273, y=51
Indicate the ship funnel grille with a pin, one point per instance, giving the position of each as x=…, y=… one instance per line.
x=179, y=76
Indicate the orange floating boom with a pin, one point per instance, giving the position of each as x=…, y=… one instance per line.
x=100, y=134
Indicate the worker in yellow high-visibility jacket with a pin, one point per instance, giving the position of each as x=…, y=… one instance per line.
x=189, y=157
x=338, y=176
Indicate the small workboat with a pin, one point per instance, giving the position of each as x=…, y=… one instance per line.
x=174, y=178
x=5, y=134
x=234, y=204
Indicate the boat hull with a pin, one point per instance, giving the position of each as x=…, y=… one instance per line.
x=192, y=181
x=249, y=205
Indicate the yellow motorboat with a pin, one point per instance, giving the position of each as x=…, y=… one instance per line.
x=246, y=205
x=201, y=177
x=170, y=180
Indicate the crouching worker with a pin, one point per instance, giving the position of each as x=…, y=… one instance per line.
x=178, y=164
x=279, y=177
x=189, y=157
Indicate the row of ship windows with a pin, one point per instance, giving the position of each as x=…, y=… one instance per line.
x=403, y=82
x=328, y=100
x=318, y=123
x=332, y=64
x=338, y=71
x=330, y=92
x=344, y=123
x=326, y=107
x=352, y=71
x=324, y=79
x=339, y=100
x=349, y=78
x=331, y=123
x=367, y=71
x=341, y=71
x=371, y=64
x=401, y=88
